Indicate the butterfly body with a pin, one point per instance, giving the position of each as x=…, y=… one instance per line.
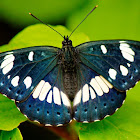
x=68, y=60
x=94, y=76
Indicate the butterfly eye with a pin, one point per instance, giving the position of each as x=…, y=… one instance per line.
x=64, y=42
x=70, y=42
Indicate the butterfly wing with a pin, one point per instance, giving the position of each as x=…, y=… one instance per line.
x=117, y=61
x=48, y=104
x=97, y=98
x=30, y=77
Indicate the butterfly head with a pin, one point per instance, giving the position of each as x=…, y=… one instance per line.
x=66, y=42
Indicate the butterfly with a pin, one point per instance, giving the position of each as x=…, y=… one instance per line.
x=87, y=83
x=43, y=80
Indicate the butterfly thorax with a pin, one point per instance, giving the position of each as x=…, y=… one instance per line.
x=68, y=55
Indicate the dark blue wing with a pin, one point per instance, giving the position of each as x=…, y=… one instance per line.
x=117, y=61
x=48, y=104
x=30, y=77
x=97, y=98
x=21, y=70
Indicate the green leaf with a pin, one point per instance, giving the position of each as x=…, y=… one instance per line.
x=10, y=117
x=3, y=48
x=123, y=125
x=11, y=135
x=40, y=34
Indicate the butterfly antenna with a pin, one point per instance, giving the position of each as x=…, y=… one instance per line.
x=45, y=24
x=84, y=19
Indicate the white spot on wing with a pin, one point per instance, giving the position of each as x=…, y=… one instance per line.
x=103, y=48
x=92, y=93
x=44, y=91
x=102, y=84
x=116, y=109
x=85, y=122
x=128, y=65
x=4, y=95
x=112, y=73
x=96, y=87
x=65, y=99
x=7, y=59
x=25, y=116
x=77, y=98
x=128, y=56
x=13, y=100
x=122, y=41
x=15, y=81
x=85, y=93
x=49, y=97
x=56, y=96
x=123, y=70
x=126, y=48
x=60, y=125
x=36, y=121
x=127, y=52
x=107, y=83
x=30, y=56
x=27, y=81
x=18, y=108
x=106, y=116
x=7, y=68
x=38, y=89
x=48, y=125
x=96, y=120
x=8, y=76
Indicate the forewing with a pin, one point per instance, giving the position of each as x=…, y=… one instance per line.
x=21, y=70
x=97, y=98
x=117, y=61
x=48, y=104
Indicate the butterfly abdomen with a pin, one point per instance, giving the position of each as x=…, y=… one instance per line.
x=70, y=83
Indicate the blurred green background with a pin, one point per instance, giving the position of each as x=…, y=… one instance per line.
x=113, y=19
